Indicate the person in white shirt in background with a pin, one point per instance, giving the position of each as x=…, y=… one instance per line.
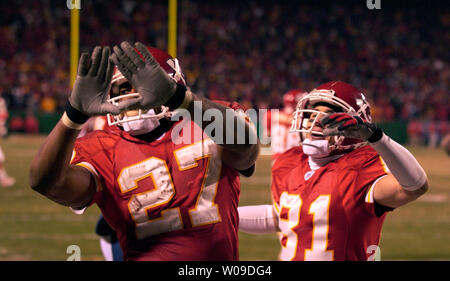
x=281, y=140
x=5, y=179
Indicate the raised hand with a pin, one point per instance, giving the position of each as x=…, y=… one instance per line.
x=344, y=124
x=90, y=91
x=145, y=74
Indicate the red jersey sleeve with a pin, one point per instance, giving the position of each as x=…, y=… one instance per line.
x=365, y=169
x=92, y=153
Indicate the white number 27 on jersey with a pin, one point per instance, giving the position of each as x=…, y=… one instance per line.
x=204, y=212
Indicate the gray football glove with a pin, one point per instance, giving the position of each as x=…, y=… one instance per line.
x=145, y=74
x=90, y=90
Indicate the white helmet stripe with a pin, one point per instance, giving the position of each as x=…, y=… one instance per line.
x=118, y=77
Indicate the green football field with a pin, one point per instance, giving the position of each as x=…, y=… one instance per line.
x=34, y=228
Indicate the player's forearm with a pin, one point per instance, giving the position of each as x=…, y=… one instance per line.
x=50, y=164
x=259, y=219
x=401, y=163
x=231, y=130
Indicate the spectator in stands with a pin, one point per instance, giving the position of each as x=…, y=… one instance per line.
x=278, y=44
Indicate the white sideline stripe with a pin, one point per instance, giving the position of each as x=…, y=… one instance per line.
x=47, y=236
x=43, y=218
x=266, y=150
x=433, y=198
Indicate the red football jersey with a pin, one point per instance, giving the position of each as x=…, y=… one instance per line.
x=329, y=213
x=166, y=201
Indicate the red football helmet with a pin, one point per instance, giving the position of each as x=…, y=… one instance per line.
x=172, y=68
x=341, y=97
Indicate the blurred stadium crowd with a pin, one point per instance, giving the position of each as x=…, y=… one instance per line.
x=249, y=51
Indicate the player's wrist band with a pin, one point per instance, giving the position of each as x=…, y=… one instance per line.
x=376, y=136
x=73, y=118
x=69, y=123
x=182, y=98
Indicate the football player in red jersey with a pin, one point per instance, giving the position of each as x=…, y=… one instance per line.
x=281, y=139
x=331, y=194
x=166, y=200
